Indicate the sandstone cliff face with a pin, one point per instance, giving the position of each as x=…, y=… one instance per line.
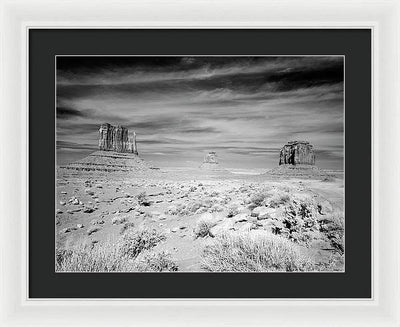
x=297, y=153
x=116, y=138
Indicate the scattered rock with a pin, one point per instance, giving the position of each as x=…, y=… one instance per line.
x=89, y=191
x=223, y=227
x=97, y=222
x=68, y=229
x=79, y=225
x=325, y=208
x=71, y=211
x=241, y=217
x=92, y=230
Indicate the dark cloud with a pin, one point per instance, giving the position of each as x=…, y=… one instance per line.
x=64, y=113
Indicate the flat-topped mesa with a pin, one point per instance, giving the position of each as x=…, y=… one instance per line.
x=297, y=153
x=117, y=139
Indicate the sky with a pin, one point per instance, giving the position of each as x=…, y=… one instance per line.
x=244, y=108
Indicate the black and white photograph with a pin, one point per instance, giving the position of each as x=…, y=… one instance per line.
x=199, y=164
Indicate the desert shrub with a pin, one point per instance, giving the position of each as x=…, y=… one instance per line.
x=216, y=208
x=143, y=200
x=333, y=227
x=155, y=261
x=134, y=242
x=194, y=207
x=253, y=252
x=257, y=199
x=203, y=226
x=126, y=227
x=277, y=199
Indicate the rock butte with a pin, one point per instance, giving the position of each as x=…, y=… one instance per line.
x=297, y=153
x=297, y=159
x=211, y=162
x=117, y=152
x=116, y=138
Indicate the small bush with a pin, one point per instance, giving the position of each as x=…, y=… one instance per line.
x=278, y=199
x=134, y=242
x=203, y=226
x=257, y=199
x=143, y=200
x=157, y=262
x=253, y=252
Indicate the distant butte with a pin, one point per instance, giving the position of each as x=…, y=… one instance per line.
x=297, y=159
x=297, y=153
x=211, y=162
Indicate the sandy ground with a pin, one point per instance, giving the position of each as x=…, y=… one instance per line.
x=93, y=199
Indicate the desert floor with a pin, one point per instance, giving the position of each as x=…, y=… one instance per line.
x=95, y=209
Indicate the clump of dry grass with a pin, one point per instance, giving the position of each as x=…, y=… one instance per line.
x=143, y=200
x=203, y=226
x=254, y=252
x=258, y=198
x=155, y=261
x=134, y=242
x=120, y=256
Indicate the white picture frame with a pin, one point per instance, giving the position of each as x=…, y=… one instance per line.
x=382, y=17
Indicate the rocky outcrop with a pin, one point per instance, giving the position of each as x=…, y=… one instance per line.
x=117, y=139
x=117, y=153
x=297, y=153
x=297, y=159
